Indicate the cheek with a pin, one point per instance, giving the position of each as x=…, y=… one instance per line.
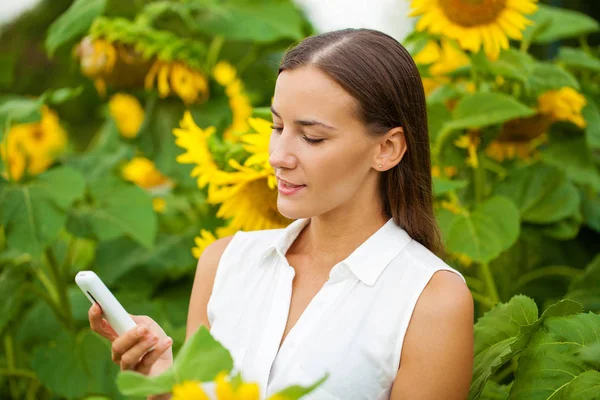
x=340, y=170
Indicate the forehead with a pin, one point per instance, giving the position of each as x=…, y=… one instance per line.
x=309, y=92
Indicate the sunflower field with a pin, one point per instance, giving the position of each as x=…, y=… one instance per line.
x=135, y=133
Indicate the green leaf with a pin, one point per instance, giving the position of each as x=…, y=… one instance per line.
x=591, y=209
x=553, y=23
x=584, y=288
x=512, y=64
x=12, y=280
x=437, y=115
x=296, y=391
x=442, y=186
x=485, y=109
x=200, y=359
x=19, y=110
x=591, y=114
x=494, y=391
x=577, y=58
x=256, y=21
x=564, y=229
x=33, y=213
x=85, y=366
x=483, y=233
x=541, y=192
x=548, y=76
x=106, y=153
x=170, y=254
x=495, y=333
x=118, y=209
x=61, y=95
x=549, y=368
x=571, y=155
x=75, y=21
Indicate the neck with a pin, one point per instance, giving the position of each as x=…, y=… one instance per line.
x=331, y=238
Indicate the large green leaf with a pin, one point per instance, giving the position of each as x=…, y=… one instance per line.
x=200, y=359
x=75, y=21
x=577, y=58
x=85, y=366
x=571, y=155
x=483, y=233
x=261, y=22
x=118, y=209
x=170, y=255
x=547, y=76
x=495, y=333
x=494, y=391
x=33, y=213
x=505, y=331
x=541, y=192
x=584, y=289
x=549, y=368
x=565, y=229
x=18, y=110
x=553, y=23
x=511, y=64
x=485, y=109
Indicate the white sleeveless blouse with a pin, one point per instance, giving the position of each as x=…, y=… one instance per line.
x=353, y=329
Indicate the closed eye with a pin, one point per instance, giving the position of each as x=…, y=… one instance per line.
x=306, y=138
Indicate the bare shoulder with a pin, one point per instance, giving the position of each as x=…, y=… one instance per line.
x=438, y=345
x=206, y=271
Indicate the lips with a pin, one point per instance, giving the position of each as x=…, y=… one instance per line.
x=289, y=184
x=287, y=188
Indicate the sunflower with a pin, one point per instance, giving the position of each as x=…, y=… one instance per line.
x=33, y=147
x=189, y=84
x=144, y=173
x=564, y=104
x=519, y=138
x=195, y=141
x=258, y=143
x=442, y=59
x=241, y=109
x=475, y=23
x=128, y=114
x=470, y=142
x=189, y=390
x=248, y=197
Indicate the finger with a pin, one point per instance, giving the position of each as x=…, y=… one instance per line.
x=126, y=341
x=150, y=358
x=99, y=324
x=132, y=357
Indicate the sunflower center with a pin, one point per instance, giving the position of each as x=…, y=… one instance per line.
x=37, y=135
x=469, y=13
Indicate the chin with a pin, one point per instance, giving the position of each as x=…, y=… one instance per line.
x=292, y=211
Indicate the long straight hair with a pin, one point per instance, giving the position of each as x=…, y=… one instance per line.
x=381, y=75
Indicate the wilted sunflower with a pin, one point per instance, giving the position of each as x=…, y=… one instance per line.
x=189, y=84
x=475, y=23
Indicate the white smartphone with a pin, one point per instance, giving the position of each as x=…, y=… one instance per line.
x=97, y=292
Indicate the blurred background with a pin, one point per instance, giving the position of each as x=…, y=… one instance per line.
x=134, y=133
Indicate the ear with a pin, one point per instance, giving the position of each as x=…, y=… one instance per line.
x=391, y=149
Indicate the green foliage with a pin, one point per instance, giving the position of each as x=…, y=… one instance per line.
x=74, y=22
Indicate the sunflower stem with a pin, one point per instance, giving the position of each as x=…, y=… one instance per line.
x=213, y=51
x=490, y=284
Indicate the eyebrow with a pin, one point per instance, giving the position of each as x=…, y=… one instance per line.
x=307, y=122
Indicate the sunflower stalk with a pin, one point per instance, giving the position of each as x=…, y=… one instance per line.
x=61, y=287
x=488, y=278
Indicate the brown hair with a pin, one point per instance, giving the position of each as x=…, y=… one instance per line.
x=382, y=76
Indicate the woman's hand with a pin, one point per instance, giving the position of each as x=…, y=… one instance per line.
x=131, y=349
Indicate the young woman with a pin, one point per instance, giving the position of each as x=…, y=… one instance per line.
x=353, y=287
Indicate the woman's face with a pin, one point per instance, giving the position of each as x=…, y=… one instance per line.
x=318, y=142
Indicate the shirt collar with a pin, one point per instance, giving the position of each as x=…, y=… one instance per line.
x=367, y=262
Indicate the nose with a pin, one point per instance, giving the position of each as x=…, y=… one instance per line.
x=281, y=152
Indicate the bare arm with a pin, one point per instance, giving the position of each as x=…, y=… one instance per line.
x=437, y=355
x=203, y=284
